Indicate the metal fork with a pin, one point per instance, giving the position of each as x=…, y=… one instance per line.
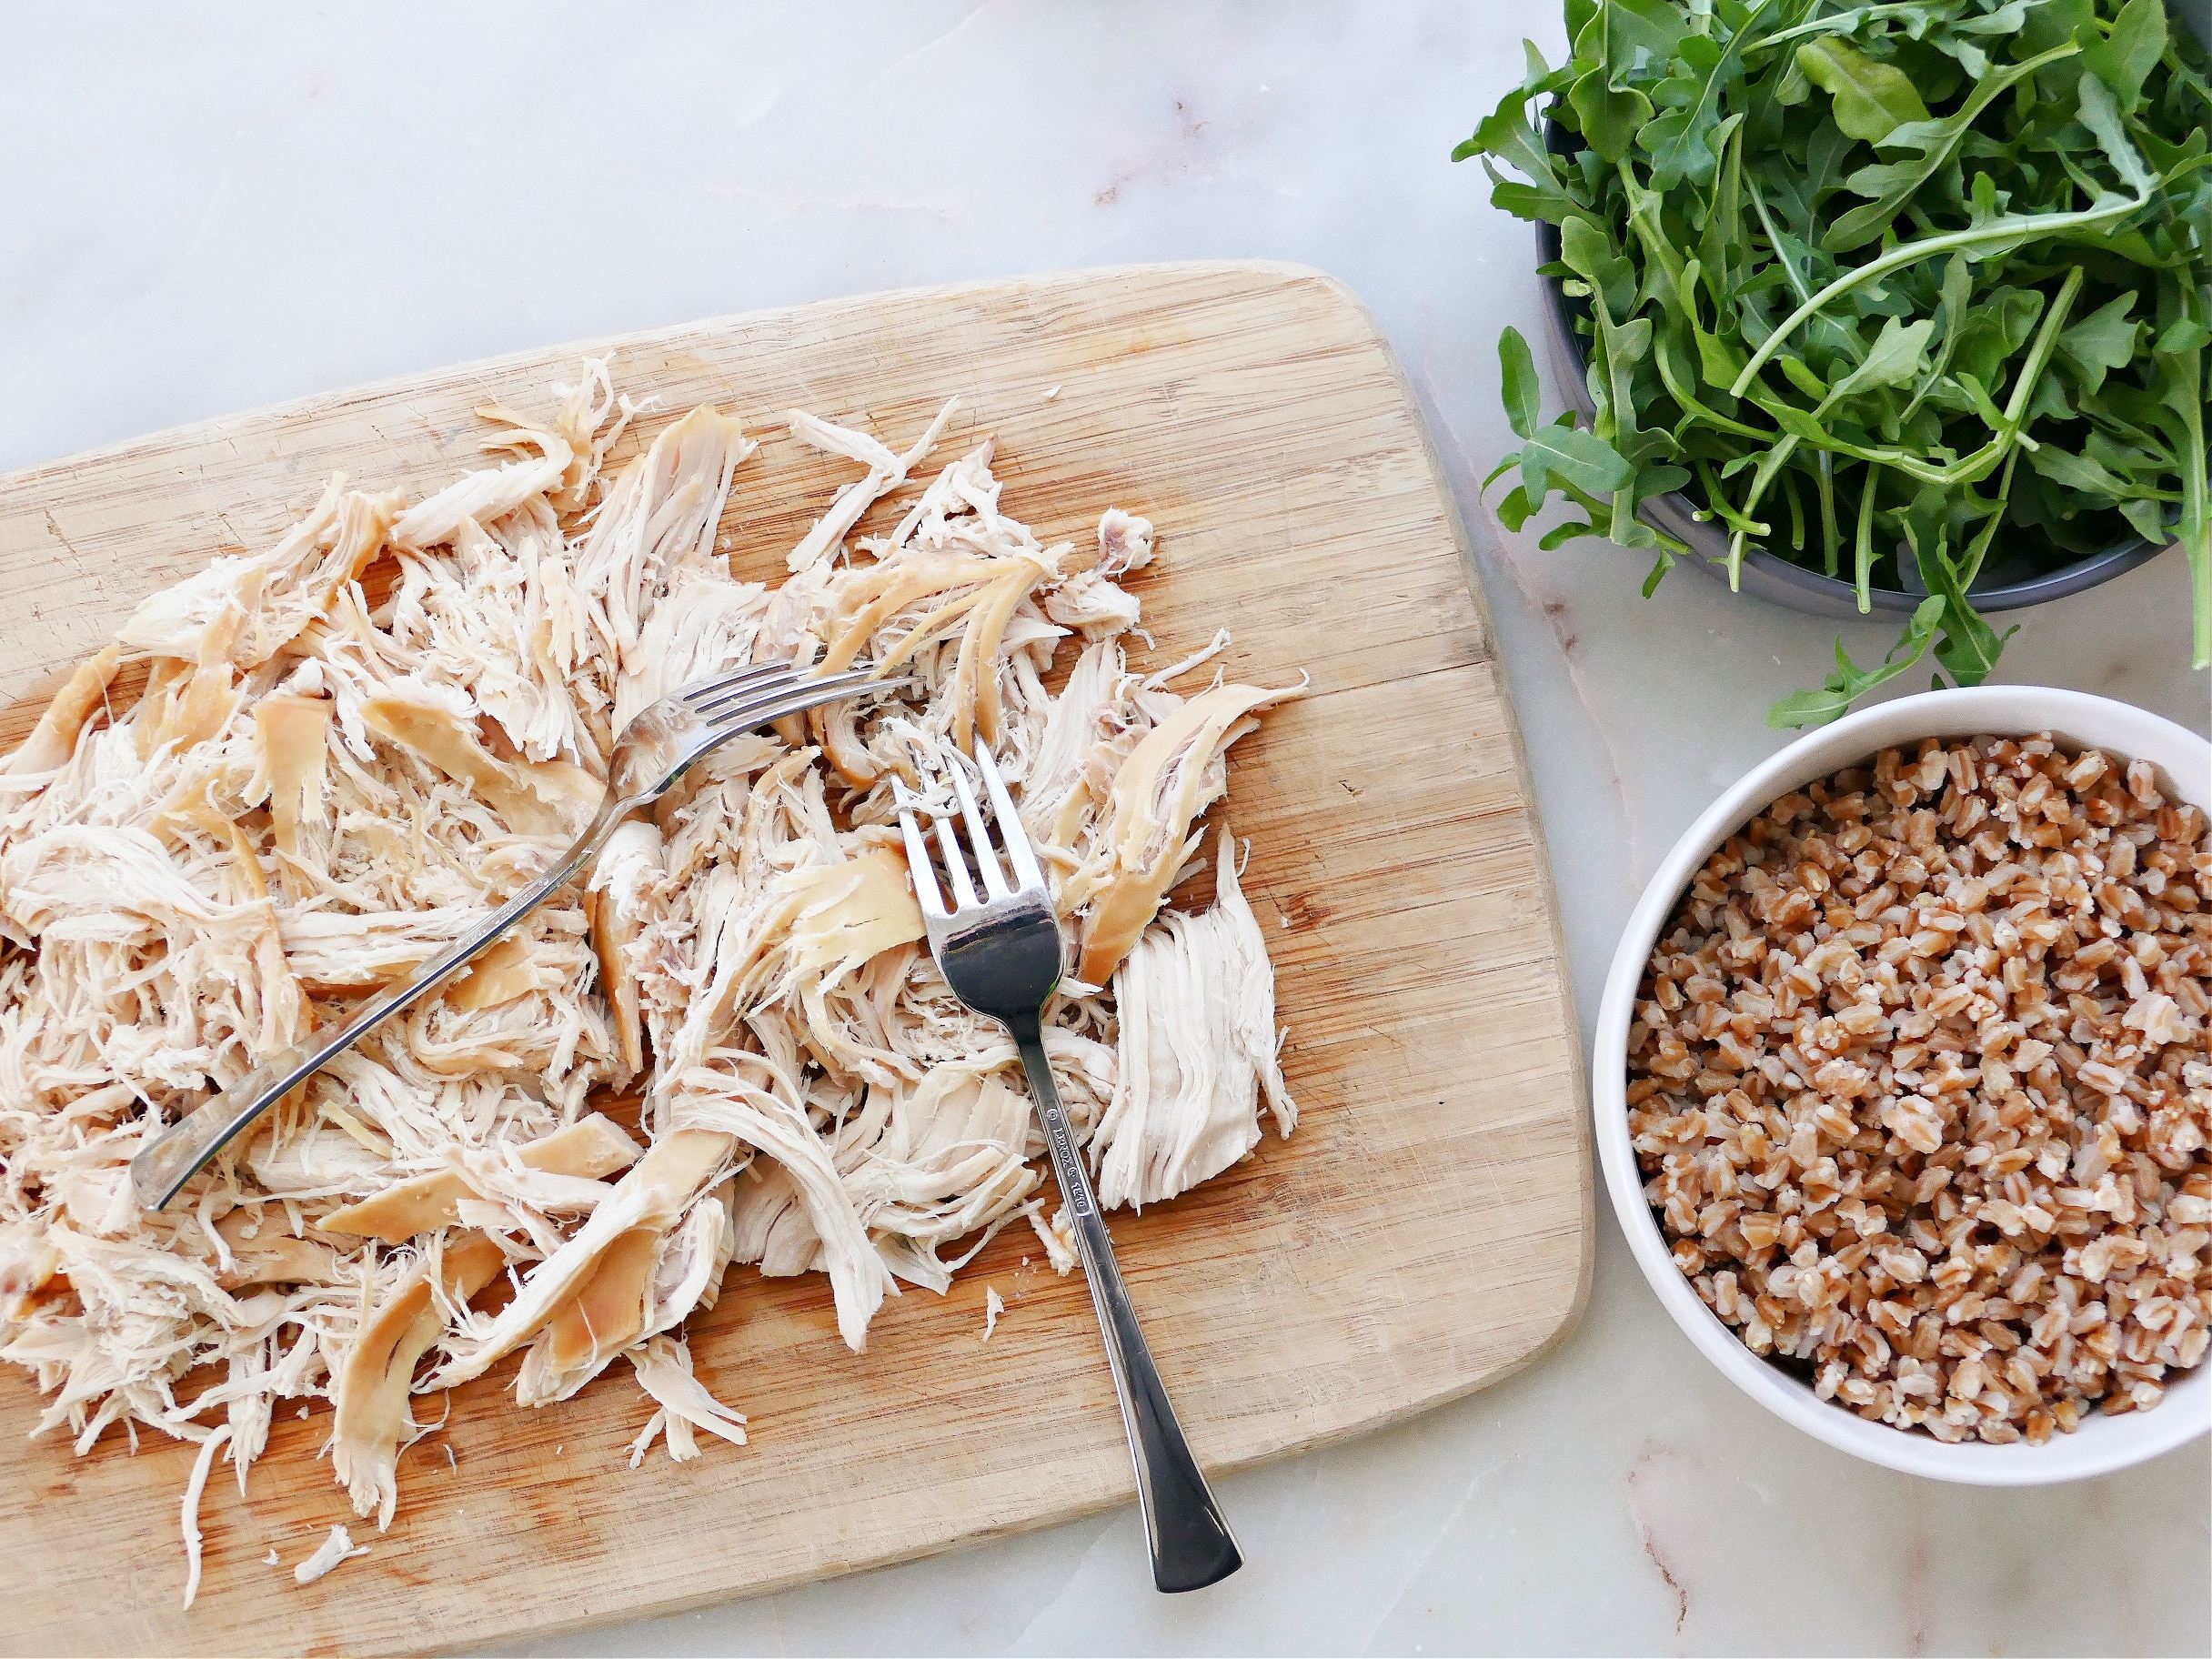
x=1001, y=956
x=656, y=749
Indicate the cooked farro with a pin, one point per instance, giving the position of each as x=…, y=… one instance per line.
x=1921, y=1086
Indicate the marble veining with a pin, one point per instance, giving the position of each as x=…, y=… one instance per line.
x=214, y=209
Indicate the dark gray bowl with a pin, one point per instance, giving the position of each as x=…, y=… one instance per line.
x=2003, y=584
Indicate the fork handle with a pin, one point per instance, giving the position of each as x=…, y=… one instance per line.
x=163, y=1166
x=1192, y=1546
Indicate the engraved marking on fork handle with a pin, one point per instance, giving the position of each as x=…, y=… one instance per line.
x=1056, y=1125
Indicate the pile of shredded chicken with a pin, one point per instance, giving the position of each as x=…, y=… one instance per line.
x=315, y=792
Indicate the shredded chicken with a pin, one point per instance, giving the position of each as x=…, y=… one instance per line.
x=338, y=1547
x=194, y=1486
x=354, y=745
x=1198, y=1033
x=1057, y=1236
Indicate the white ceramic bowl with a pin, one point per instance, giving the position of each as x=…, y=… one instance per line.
x=2102, y=1443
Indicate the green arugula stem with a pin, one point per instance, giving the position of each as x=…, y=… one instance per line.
x=1829, y=548
x=1969, y=469
x=1762, y=476
x=1599, y=509
x=2038, y=358
x=1863, y=551
x=1641, y=201
x=1774, y=241
x=1670, y=375
x=1841, y=22
x=2008, y=423
x=1980, y=550
x=2026, y=227
x=2196, y=531
x=1721, y=509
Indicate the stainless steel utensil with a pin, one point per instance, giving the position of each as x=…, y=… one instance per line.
x=654, y=750
x=1001, y=956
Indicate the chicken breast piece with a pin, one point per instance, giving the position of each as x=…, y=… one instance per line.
x=1197, y=1002
x=379, y=1365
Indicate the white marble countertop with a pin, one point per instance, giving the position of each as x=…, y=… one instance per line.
x=210, y=209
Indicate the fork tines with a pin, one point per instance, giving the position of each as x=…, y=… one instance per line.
x=1027, y=878
x=768, y=691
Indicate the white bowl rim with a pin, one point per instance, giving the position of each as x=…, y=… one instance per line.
x=2102, y=1444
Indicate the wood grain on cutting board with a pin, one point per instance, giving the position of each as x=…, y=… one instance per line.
x=1425, y=1232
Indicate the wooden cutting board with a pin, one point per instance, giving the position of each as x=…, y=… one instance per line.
x=1427, y=1231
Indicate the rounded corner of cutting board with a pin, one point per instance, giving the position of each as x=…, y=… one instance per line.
x=1309, y=283
x=1335, y=290
x=1575, y=1304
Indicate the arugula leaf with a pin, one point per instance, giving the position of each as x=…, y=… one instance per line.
x=1872, y=100
x=1722, y=246
x=2101, y=341
x=1589, y=253
x=2055, y=20
x=1683, y=142
x=1957, y=286
x=1580, y=459
x=2149, y=521
x=1611, y=111
x=1969, y=647
x=1612, y=115
x=1893, y=185
x=1801, y=375
x=2102, y=117
x=1896, y=359
x=2007, y=19
x=2079, y=472
x=1582, y=463
x=1850, y=682
x=2126, y=57
x=1801, y=424
x=1524, y=395
x=1652, y=27
x=1506, y=134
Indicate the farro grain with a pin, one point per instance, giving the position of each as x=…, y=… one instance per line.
x=1920, y=1082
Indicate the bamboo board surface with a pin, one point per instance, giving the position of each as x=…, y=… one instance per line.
x=1425, y=1232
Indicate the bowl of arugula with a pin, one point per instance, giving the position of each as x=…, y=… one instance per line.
x=1886, y=307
